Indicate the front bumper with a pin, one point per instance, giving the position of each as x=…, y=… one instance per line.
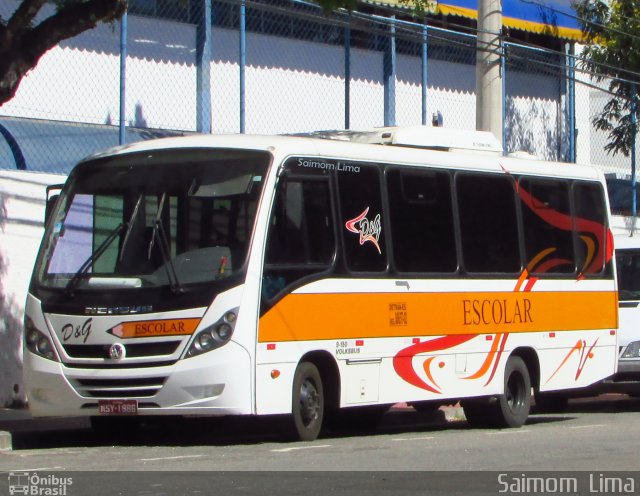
x=215, y=383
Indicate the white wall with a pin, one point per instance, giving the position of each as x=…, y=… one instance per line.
x=22, y=200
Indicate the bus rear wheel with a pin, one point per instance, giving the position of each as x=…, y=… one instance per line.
x=307, y=402
x=512, y=407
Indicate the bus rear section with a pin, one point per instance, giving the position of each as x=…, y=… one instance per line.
x=627, y=378
x=394, y=275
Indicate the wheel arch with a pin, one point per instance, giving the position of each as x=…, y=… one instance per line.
x=329, y=373
x=530, y=358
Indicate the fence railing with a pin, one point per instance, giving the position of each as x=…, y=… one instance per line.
x=282, y=66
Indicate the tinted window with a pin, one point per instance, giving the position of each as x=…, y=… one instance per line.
x=361, y=218
x=548, y=227
x=591, y=227
x=628, y=266
x=301, y=239
x=301, y=229
x=488, y=223
x=422, y=229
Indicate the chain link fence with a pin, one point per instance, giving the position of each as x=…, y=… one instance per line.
x=282, y=66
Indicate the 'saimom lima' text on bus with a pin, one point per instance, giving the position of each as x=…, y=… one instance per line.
x=313, y=275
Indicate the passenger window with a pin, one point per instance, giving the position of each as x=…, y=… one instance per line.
x=421, y=215
x=548, y=227
x=301, y=238
x=361, y=220
x=301, y=229
x=591, y=227
x=488, y=223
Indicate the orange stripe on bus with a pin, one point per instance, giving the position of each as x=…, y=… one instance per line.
x=302, y=317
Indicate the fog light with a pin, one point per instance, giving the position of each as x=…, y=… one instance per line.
x=205, y=340
x=32, y=337
x=224, y=331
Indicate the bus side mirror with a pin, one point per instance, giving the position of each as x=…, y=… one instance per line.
x=53, y=193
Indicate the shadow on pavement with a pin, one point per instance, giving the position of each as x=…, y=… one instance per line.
x=28, y=433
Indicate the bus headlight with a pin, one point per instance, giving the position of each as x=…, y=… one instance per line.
x=632, y=350
x=214, y=336
x=37, y=342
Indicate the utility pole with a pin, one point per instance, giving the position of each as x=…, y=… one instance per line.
x=489, y=97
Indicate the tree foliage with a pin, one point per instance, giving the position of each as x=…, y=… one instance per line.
x=612, y=31
x=24, y=39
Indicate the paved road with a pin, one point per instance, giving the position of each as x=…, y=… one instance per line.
x=406, y=453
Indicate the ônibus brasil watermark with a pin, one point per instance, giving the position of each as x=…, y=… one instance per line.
x=32, y=484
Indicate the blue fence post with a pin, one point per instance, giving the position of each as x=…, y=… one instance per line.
x=243, y=62
x=347, y=74
x=634, y=130
x=122, y=127
x=203, y=65
x=389, y=74
x=425, y=64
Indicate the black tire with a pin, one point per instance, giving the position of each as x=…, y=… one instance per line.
x=512, y=408
x=307, y=402
x=551, y=402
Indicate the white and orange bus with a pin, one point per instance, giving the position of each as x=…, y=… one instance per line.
x=312, y=275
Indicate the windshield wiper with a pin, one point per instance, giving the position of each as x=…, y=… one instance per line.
x=75, y=280
x=165, y=250
x=131, y=221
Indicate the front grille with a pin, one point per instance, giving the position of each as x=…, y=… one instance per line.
x=119, y=388
x=119, y=365
x=133, y=350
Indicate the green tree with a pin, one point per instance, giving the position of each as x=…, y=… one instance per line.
x=612, y=53
x=23, y=40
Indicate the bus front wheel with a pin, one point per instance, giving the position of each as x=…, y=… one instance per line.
x=307, y=402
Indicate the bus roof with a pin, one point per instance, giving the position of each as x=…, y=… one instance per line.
x=416, y=145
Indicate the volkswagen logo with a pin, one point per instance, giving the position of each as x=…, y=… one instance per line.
x=117, y=351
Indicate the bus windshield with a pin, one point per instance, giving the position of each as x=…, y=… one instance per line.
x=161, y=218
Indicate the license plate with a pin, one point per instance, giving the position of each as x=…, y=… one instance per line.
x=117, y=407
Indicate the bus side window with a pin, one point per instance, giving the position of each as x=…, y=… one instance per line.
x=421, y=214
x=488, y=223
x=301, y=237
x=591, y=227
x=628, y=267
x=361, y=221
x=548, y=230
